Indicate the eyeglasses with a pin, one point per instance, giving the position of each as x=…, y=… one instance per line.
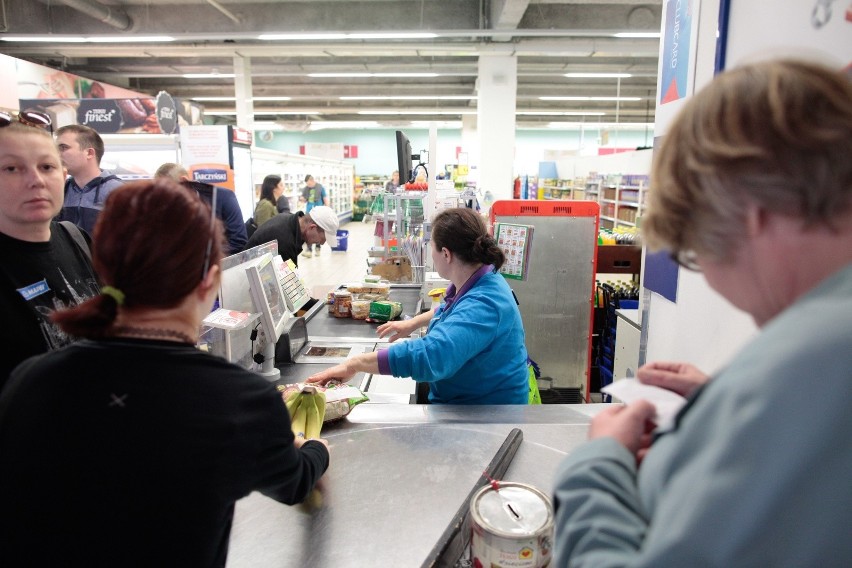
x=687, y=259
x=27, y=117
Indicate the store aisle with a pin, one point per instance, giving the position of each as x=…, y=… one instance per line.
x=324, y=272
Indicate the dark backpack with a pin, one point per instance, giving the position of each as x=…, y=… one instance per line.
x=251, y=227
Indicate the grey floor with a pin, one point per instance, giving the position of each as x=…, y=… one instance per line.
x=325, y=272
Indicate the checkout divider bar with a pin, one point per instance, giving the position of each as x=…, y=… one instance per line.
x=452, y=545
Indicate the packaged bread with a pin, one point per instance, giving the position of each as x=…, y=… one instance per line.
x=369, y=290
x=360, y=309
x=384, y=310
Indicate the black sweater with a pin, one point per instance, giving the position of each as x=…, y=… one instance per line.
x=285, y=229
x=133, y=452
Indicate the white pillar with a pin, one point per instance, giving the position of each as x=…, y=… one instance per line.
x=470, y=139
x=243, y=92
x=498, y=74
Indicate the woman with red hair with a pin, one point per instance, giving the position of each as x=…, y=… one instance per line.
x=131, y=446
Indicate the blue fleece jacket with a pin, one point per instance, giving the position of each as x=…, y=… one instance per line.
x=474, y=351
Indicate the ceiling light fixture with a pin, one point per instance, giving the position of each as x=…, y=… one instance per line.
x=208, y=75
x=417, y=112
x=212, y=99
x=129, y=39
x=410, y=98
x=612, y=99
x=301, y=37
x=597, y=75
x=225, y=99
x=559, y=113
x=369, y=75
x=266, y=112
x=344, y=36
x=598, y=125
x=86, y=39
x=638, y=35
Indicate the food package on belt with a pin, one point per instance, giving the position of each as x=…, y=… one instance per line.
x=380, y=289
x=360, y=309
x=385, y=310
x=340, y=398
x=370, y=297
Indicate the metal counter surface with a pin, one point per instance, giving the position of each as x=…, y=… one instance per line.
x=398, y=474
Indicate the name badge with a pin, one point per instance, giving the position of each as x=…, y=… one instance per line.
x=34, y=290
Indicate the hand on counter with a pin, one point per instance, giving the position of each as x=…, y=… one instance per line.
x=394, y=330
x=364, y=363
x=630, y=425
x=681, y=378
x=338, y=372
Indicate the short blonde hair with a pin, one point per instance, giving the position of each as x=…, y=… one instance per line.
x=777, y=134
x=172, y=171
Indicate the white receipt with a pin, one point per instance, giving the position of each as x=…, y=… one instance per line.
x=665, y=401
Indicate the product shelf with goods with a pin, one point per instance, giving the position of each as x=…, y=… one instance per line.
x=367, y=188
x=622, y=199
x=338, y=178
x=400, y=230
x=577, y=189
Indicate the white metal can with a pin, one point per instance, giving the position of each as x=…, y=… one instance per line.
x=511, y=527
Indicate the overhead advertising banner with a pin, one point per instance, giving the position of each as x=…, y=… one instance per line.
x=71, y=99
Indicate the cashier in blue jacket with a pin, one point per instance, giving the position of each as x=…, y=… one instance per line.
x=474, y=350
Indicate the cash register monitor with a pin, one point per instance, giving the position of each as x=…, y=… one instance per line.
x=234, y=288
x=267, y=296
x=403, y=158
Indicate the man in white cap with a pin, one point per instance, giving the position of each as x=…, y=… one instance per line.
x=292, y=231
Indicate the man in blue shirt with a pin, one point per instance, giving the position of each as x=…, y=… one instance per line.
x=227, y=208
x=313, y=194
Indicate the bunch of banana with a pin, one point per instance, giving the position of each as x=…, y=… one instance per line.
x=307, y=411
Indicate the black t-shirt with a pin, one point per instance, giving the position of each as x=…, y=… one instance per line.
x=283, y=228
x=130, y=452
x=35, y=280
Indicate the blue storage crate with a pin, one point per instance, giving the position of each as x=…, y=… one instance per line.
x=342, y=240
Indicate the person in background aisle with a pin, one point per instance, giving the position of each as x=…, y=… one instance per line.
x=393, y=183
x=153, y=440
x=227, y=208
x=44, y=265
x=267, y=205
x=753, y=188
x=473, y=352
x=313, y=195
x=295, y=230
x=86, y=190
x=283, y=203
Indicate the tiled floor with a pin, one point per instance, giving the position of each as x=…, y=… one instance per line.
x=325, y=272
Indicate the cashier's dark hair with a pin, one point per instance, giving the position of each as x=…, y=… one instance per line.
x=462, y=231
x=148, y=249
x=270, y=182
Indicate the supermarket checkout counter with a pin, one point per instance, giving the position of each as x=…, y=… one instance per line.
x=398, y=475
x=317, y=344
x=399, y=472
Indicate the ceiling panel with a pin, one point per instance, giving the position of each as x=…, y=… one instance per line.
x=549, y=38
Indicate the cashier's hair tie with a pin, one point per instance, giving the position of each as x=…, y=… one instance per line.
x=113, y=293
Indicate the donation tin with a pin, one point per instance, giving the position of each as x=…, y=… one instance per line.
x=512, y=527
